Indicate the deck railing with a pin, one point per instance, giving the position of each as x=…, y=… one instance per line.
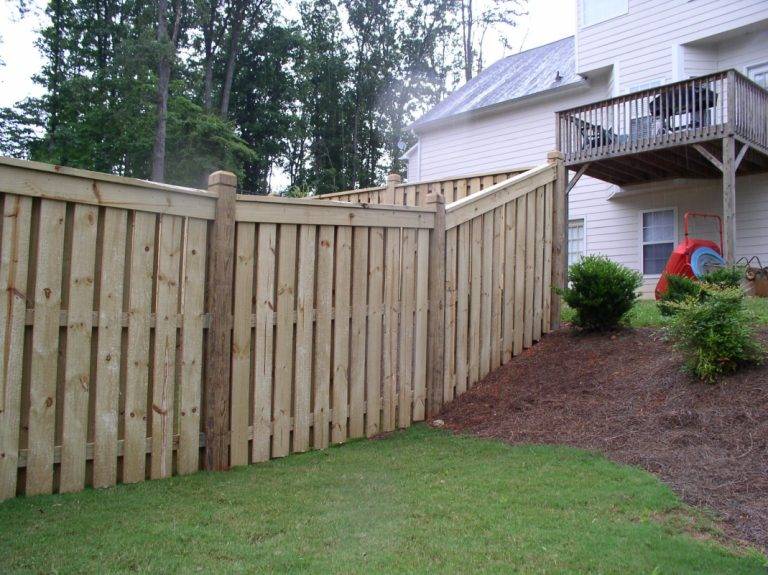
x=689, y=111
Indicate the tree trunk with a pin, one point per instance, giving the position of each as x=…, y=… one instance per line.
x=238, y=15
x=167, y=51
x=208, y=34
x=467, y=25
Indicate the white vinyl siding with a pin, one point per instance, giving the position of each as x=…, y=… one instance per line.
x=594, y=11
x=576, y=241
x=658, y=239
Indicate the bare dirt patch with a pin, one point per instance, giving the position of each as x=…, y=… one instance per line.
x=626, y=396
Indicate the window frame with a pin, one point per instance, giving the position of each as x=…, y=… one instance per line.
x=584, y=24
x=674, y=241
x=583, y=220
x=762, y=67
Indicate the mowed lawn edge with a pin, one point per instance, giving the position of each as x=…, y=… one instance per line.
x=418, y=500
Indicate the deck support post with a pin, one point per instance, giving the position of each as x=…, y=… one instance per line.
x=218, y=361
x=729, y=199
x=559, y=235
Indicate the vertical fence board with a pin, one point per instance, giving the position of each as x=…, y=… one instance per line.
x=305, y=300
x=547, y=279
x=510, y=254
x=390, y=375
x=45, y=347
x=77, y=370
x=341, y=302
x=462, y=307
x=497, y=285
x=164, y=359
x=449, y=336
x=323, y=336
x=141, y=278
x=190, y=389
x=374, y=351
x=264, y=341
x=286, y=290
x=357, y=358
x=476, y=258
x=530, y=256
x=239, y=411
x=14, y=264
x=108, y=353
x=520, y=215
x=420, y=329
x=538, y=270
x=407, y=308
x=486, y=281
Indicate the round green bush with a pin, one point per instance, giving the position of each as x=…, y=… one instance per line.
x=601, y=292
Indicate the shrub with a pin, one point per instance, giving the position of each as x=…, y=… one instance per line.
x=725, y=277
x=678, y=288
x=713, y=331
x=601, y=292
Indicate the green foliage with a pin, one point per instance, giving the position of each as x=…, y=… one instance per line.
x=414, y=502
x=601, y=292
x=682, y=287
x=324, y=97
x=714, y=332
x=678, y=288
x=729, y=276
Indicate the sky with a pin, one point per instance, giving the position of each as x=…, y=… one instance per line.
x=548, y=20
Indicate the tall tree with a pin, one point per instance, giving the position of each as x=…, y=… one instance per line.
x=167, y=46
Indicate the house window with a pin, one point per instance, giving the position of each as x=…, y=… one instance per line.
x=658, y=239
x=759, y=74
x=594, y=11
x=575, y=241
x=646, y=85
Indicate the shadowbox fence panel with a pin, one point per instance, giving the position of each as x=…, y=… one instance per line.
x=415, y=194
x=347, y=319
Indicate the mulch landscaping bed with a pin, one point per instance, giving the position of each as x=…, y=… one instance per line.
x=625, y=396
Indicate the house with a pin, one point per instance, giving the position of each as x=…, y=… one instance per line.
x=660, y=108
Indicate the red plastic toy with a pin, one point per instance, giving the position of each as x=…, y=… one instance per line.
x=691, y=257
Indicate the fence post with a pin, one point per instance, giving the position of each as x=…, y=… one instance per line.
x=218, y=360
x=392, y=181
x=559, y=234
x=436, y=332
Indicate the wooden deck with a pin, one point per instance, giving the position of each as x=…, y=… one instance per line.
x=671, y=131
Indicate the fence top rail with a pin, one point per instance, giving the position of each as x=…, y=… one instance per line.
x=497, y=195
x=41, y=180
x=270, y=209
x=517, y=169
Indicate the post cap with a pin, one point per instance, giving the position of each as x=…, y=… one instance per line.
x=222, y=178
x=394, y=178
x=435, y=198
x=555, y=155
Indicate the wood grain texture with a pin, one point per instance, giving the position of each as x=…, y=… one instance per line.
x=45, y=347
x=14, y=266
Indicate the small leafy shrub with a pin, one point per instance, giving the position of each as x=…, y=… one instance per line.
x=725, y=277
x=678, y=288
x=714, y=332
x=601, y=292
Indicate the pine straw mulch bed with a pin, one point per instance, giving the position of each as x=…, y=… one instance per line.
x=624, y=395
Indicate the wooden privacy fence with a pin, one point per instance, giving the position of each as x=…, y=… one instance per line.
x=415, y=194
x=146, y=325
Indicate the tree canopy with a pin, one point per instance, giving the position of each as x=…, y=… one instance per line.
x=322, y=91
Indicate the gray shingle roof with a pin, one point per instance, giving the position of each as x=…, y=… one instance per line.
x=510, y=78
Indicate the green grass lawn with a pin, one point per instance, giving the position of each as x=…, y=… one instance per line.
x=418, y=501
x=646, y=313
